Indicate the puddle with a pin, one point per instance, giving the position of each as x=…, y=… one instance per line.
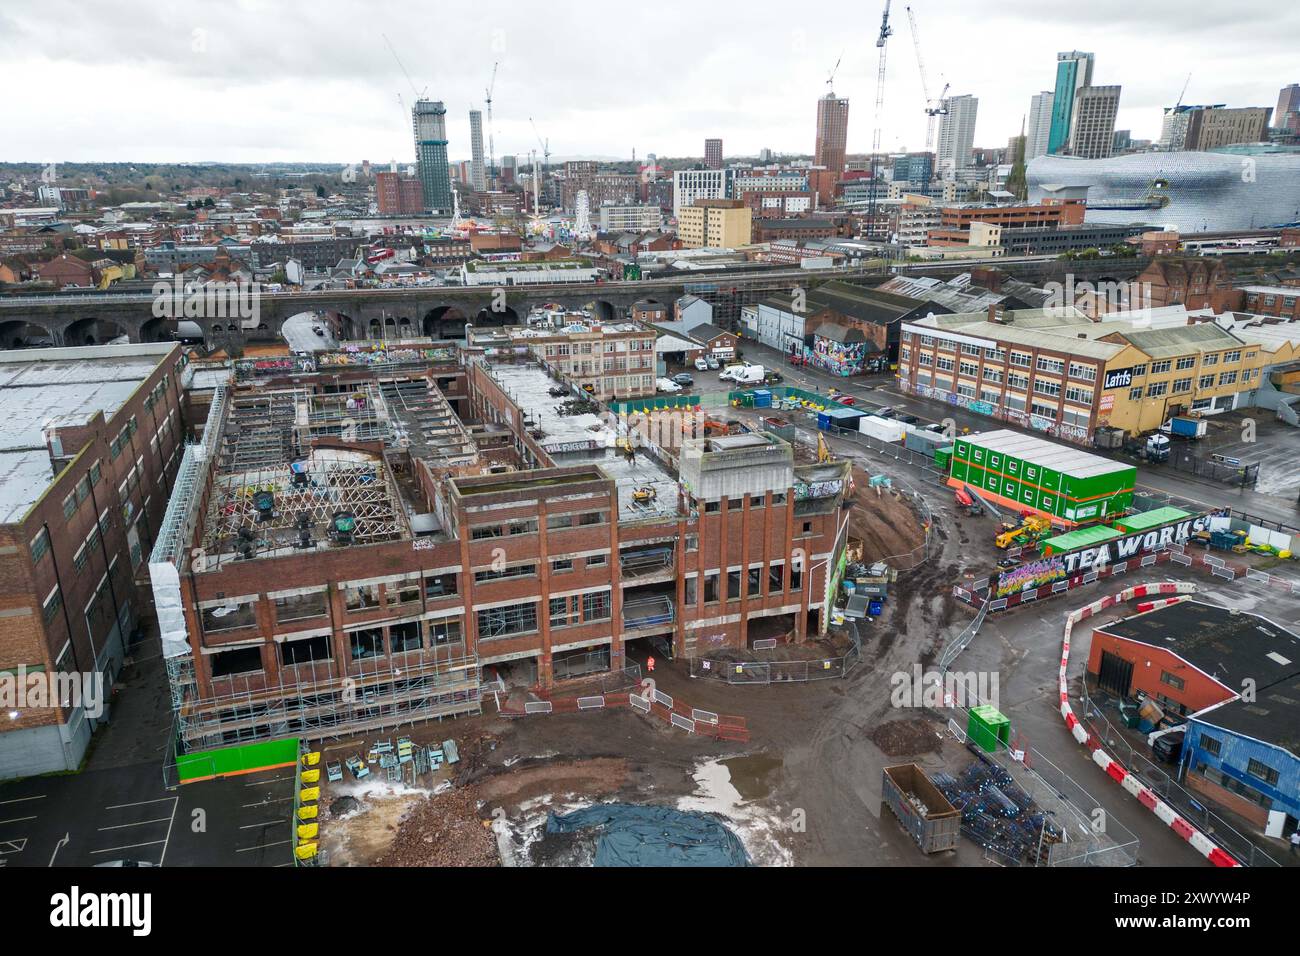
x=735, y=788
x=753, y=776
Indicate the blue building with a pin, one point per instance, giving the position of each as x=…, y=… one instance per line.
x=914, y=168
x=1246, y=755
x=1073, y=71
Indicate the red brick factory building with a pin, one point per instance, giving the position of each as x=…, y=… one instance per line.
x=365, y=546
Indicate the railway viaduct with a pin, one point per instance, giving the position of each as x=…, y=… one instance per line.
x=440, y=312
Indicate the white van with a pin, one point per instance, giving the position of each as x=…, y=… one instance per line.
x=667, y=385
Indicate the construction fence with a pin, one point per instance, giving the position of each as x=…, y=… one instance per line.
x=1073, y=828
x=1152, y=775
x=651, y=701
x=977, y=594
x=778, y=672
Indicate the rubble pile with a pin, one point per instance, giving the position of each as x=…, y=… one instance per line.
x=443, y=830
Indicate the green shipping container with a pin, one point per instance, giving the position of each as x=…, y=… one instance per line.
x=1067, y=484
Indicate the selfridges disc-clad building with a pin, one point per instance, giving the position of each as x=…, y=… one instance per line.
x=1191, y=192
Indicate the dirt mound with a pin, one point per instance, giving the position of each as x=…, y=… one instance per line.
x=885, y=521
x=590, y=778
x=443, y=830
x=905, y=738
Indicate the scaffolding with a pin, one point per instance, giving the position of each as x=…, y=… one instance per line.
x=321, y=502
x=426, y=686
x=651, y=611
x=273, y=426
x=646, y=561
x=425, y=423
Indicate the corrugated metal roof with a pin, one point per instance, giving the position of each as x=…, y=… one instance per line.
x=1172, y=342
x=1046, y=454
x=1151, y=519
x=1083, y=538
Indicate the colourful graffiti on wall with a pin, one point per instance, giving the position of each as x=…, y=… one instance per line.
x=838, y=358
x=1033, y=574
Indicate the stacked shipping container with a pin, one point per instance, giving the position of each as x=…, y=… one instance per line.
x=1021, y=471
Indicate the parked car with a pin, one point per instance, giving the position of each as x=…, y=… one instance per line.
x=667, y=385
x=684, y=380
x=886, y=412
x=775, y=378
x=845, y=399
x=318, y=330
x=1168, y=748
x=713, y=363
x=701, y=365
x=908, y=419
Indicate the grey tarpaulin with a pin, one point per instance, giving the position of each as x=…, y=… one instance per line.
x=653, y=836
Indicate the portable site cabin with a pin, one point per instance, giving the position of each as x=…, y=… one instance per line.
x=1081, y=538
x=1021, y=472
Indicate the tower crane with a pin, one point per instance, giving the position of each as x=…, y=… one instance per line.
x=933, y=108
x=419, y=95
x=492, y=150
x=886, y=31
x=830, y=80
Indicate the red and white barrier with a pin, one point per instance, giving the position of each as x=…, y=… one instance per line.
x=1178, y=591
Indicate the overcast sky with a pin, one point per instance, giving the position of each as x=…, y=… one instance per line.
x=250, y=81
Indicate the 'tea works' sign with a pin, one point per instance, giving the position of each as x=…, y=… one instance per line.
x=1133, y=545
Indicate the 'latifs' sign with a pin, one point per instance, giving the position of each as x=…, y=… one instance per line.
x=1134, y=545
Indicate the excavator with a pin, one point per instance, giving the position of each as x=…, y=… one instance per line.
x=1031, y=528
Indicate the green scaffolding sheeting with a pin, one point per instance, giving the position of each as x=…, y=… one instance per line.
x=653, y=836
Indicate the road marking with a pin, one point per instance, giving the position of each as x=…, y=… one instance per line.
x=142, y=823
x=142, y=803
x=132, y=846
x=57, y=847
x=263, y=803
x=176, y=802
x=14, y=846
x=263, y=846
x=16, y=820
x=269, y=823
x=21, y=799
x=263, y=783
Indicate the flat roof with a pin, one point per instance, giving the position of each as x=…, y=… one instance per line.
x=1229, y=646
x=1080, y=539
x=1046, y=454
x=44, y=388
x=587, y=439
x=1151, y=519
x=1273, y=717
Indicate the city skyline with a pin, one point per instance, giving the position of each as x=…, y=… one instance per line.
x=264, y=95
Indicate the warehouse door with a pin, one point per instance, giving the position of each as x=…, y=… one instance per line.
x=1116, y=674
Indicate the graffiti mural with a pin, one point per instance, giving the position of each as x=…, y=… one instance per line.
x=1075, y=434
x=838, y=358
x=1030, y=575
x=817, y=489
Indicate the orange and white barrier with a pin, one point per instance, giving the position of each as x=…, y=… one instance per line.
x=1175, y=592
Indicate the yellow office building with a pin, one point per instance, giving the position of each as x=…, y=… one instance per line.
x=714, y=224
x=1058, y=371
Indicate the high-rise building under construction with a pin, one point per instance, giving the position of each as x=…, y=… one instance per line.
x=429, y=121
